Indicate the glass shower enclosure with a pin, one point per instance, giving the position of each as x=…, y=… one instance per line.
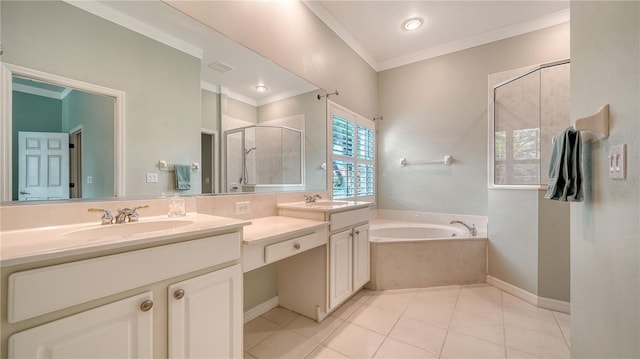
x=260, y=158
x=529, y=110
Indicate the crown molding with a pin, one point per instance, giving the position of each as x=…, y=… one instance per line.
x=524, y=27
x=286, y=94
x=117, y=17
x=539, y=23
x=324, y=16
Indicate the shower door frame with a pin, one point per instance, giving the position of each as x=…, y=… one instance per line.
x=491, y=129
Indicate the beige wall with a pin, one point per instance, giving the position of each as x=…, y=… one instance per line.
x=438, y=107
x=290, y=35
x=605, y=250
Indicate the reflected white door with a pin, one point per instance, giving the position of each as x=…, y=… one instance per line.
x=43, y=166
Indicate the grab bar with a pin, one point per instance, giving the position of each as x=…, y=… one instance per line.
x=446, y=161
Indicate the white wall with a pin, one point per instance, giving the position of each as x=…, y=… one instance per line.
x=605, y=250
x=290, y=35
x=439, y=106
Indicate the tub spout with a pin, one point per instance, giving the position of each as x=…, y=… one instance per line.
x=472, y=229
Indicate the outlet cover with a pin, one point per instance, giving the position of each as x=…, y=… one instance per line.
x=89, y=179
x=243, y=207
x=152, y=177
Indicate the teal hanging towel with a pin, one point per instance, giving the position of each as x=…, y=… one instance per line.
x=183, y=177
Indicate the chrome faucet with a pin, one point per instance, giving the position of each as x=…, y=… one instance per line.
x=311, y=198
x=472, y=230
x=128, y=214
x=107, y=218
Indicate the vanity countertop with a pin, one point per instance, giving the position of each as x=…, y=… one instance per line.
x=326, y=206
x=267, y=228
x=56, y=242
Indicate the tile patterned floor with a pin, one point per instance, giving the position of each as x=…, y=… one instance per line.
x=475, y=321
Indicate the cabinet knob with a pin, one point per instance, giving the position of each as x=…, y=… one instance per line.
x=357, y=233
x=296, y=246
x=178, y=294
x=146, y=305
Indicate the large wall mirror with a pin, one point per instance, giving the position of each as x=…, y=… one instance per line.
x=132, y=83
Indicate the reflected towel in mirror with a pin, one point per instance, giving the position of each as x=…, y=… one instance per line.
x=183, y=177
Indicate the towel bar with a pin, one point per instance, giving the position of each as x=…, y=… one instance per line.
x=597, y=123
x=446, y=161
x=163, y=166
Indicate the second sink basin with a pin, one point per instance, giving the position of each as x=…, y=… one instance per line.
x=327, y=204
x=124, y=230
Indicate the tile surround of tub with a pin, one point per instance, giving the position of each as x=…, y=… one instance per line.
x=393, y=265
x=431, y=218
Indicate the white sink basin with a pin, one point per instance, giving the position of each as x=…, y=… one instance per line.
x=327, y=204
x=124, y=230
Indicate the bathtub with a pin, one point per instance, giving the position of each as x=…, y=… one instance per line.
x=409, y=232
x=420, y=255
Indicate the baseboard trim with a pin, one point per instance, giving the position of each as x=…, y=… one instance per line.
x=542, y=302
x=260, y=309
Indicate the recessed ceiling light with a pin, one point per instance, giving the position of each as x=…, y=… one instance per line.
x=261, y=88
x=412, y=24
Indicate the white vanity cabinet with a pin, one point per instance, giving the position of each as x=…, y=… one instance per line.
x=205, y=315
x=348, y=263
x=339, y=271
x=121, y=329
x=103, y=307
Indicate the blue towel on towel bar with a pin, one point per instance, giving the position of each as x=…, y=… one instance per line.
x=183, y=177
x=565, y=168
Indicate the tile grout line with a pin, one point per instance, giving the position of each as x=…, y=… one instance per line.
x=566, y=342
x=280, y=327
x=504, y=325
x=394, y=324
x=455, y=305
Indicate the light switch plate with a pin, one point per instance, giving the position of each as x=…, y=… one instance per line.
x=243, y=207
x=618, y=162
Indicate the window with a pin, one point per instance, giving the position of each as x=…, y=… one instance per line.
x=352, y=155
x=528, y=111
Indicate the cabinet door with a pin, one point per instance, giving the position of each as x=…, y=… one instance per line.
x=117, y=330
x=361, y=258
x=205, y=316
x=340, y=271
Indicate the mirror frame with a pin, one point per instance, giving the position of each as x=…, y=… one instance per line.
x=6, y=117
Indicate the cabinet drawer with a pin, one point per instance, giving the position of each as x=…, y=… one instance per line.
x=43, y=290
x=281, y=250
x=349, y=218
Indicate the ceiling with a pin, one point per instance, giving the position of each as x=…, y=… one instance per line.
x=374, y=28
x=371, y=28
